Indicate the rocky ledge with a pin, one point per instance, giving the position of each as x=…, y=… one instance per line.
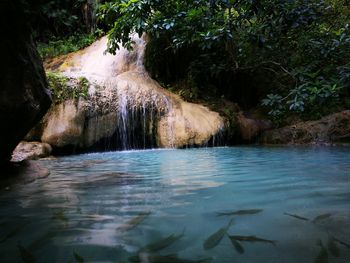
x=31, y=151
x=332, y=129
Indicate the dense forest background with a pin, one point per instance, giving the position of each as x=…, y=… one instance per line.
x=279, y=58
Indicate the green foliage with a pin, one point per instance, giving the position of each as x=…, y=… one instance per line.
x=312, y=90
x=310, y=100
x=166, y=18
x=187, y=90
x=64, y=88
x=59, y=46
x=62, y=26
x=59, y=18
x=291, y=55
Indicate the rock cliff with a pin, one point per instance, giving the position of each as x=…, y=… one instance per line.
x=24, y=98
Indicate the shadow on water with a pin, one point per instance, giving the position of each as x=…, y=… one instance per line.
x=24, y=172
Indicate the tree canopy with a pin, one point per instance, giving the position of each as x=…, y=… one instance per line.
x=289, y=56
x=296, y=51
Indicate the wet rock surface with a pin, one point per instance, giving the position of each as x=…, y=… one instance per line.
x=334, y=128
x=31, y=151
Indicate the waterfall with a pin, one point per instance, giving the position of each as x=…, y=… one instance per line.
x=138, y=107
x=129, y=110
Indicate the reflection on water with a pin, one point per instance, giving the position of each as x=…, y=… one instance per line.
x=244, y=204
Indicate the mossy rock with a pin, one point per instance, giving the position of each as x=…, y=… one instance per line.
x=64, y=88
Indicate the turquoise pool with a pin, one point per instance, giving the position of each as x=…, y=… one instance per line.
x=169, y=206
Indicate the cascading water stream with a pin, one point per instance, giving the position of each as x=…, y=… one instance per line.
x=136, y=118
x=122, y=119
x=127, y=109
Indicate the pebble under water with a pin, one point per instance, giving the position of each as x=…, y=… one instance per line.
x=284, y=204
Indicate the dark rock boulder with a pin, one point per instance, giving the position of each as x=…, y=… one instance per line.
x=334, y=128
x=24, y=98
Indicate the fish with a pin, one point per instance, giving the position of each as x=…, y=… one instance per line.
x=321, y=217
x=296, y=216
x=14, y=232
x=78, y=258
x=26, y=255
x=240, y=212
x=237, y=245
x=342, y=242
x=165, y=259
x=332, y=247
x=322, y=256
x=252, y=239
x=214, y=239
x=162, y=243
x=132, y=223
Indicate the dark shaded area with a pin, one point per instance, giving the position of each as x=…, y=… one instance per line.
x=138, y=130
x=23, y=172
x=24, y=98
x=205, y=75
x=54, y=19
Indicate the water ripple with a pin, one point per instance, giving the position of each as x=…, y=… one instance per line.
x=87, y=198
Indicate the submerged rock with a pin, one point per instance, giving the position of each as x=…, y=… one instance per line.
x=334, y=128
x=126, y=109
x=31, y=151
x=24, y=98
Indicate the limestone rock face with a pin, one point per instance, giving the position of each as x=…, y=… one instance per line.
x=31, y=151
x=64, y=124
x=126, y=109
x=188, y=124
x=133, y=103
x=334, y=128
x=24, y=98
x=74, y=125
x=180, y=123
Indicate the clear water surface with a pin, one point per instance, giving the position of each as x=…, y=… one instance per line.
x=105, y=207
